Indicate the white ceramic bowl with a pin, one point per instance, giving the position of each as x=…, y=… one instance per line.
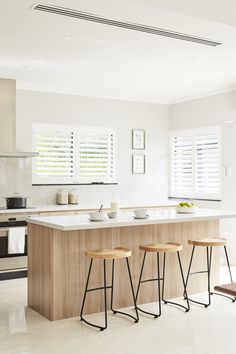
x=185, y=210
x=111, y=215
x=97, y=216
x=141, y=213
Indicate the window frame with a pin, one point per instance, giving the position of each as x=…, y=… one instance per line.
x=193, y=133
x=75, y=180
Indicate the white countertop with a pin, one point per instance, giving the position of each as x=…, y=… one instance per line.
x=82, y=222
x=81, y=207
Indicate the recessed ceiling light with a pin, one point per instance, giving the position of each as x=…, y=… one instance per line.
x=37, y=61
x=230, y=121
x=68, y=38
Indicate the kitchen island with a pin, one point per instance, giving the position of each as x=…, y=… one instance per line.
x=57, y=265
x=15, y=267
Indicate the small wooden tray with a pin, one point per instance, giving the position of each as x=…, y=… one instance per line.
x=229, y=289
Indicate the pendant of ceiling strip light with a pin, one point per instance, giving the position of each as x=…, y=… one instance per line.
x=57, y=10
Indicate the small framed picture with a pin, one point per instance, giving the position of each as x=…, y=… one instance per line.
x=138, y=139
x=138, y=164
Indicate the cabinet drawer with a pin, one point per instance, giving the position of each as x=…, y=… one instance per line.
x=13, y=263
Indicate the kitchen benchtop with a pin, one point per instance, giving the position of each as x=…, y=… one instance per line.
x=79, y=207
x=82, y=222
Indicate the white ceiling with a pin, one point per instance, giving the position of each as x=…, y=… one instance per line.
x=213, y=10
x=47, y=52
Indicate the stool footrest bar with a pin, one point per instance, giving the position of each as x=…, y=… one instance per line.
x=92, y=324
x=199, y=272
x=233, y=299
x=176, y=304
x=125, y=314
x=155, y=315
x=100, y=288
x=198, y=302
x=147, y=280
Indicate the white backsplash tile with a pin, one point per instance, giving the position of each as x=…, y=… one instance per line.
x=16, y=177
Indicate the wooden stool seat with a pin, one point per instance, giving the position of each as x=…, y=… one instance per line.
x=115, y=253
x=162, y=247
x=208, y=242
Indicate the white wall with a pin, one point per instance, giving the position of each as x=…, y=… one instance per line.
x=15, y=175
x=207, y=111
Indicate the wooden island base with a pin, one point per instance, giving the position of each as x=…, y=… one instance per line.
x=57, y=266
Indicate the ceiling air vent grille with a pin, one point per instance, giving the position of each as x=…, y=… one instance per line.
x=127, y=25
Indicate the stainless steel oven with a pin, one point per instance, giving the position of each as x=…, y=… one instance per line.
x=12, y=265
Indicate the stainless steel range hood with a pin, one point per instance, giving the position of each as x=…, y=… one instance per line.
x=8, y=121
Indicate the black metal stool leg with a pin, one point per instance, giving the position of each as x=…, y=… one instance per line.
x=105, y=294
x=144, y=281
x=136, y=319
x=159, y=282
x=208, y=271
x=227, y=260
x=210, y=257
x=163, y=276
x=132, y=289
x=184, y=286
x=189, y=268
x=209, y=275
x=86, y=288
x=184, y=283
x=211, y=293
x=112, y=285
x=140, y=277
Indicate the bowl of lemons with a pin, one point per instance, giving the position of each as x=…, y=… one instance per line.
x=186, y=208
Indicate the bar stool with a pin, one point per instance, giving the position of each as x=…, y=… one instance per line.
x=209, y=243
x=106, y=254
x=169, y=247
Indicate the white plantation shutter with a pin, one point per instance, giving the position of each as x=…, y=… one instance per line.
x=56, y=147
x=96, y=149
x=73, y=155
x=181, y=172
x=195, y=163
x=207, y=150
